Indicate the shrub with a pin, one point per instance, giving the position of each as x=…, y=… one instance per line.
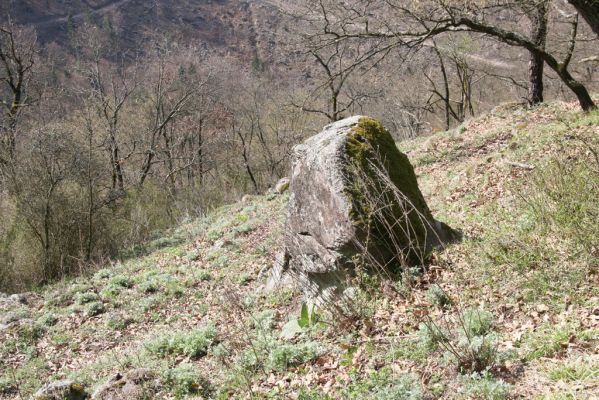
x=87, y=297
x=193, y=255
x=185, y=379
x=477, y=322
x=111, y=291
x=191, y=344
x=47, y=319
x=116, y=322
x=483, y=386
x=284, y=356
x=381, y=385
x=94, y=308
x=122, y=281
x=203, y=275
x=244, y=278
x=437, y=296
x=468, y=340
x=149, y=286
x=103, y=273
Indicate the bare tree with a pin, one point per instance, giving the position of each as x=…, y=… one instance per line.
x=589, y=9
x=538, y=15
x=412, y=25
x=17, y=57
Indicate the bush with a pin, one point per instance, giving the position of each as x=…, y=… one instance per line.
x=483, y=386
x=468, y=340
x=203, y=275
x=185, y=379
x=47, y=319
x=477, y=322
x=87, y=297
x=437, y=296
x=111, y=291
x=103, y=273
x=287, y=355
x=122, y=281
x=116, y=322
x=94, y=308
x=191, y=344
x=381, y=385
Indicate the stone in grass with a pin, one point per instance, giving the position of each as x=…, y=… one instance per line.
x=353, y=193
x=61, y=390
x=282, y=185
x=136, y=384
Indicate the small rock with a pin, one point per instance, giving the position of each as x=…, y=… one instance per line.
x=278, y=276
x=219, y=244
x=20, y=298
x=135, y=385
x=247, y=198
x=542, y=308
x=282, y=185
x=61, y=390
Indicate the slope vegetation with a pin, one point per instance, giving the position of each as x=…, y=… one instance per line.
x=510, y=312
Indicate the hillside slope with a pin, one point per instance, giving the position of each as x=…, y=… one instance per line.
x=511, y=312
x=224, y=27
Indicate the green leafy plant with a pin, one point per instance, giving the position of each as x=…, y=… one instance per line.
x=94, y=308
x=381, y=385
x=47, y=319
x=191, y=344
x=185, y=379
x=296, y=326
x=122, y=281
x=203, y=275
x=484, y=386
x=468, y=340
x=86, y=297
x=437, y=296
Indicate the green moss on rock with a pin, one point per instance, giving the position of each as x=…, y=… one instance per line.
x=370, y=147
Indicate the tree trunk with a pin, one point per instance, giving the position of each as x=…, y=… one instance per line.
x=538, y=20
x=585, y=100
x=589, y=9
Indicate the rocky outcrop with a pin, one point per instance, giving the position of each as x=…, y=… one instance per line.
x=354, y=198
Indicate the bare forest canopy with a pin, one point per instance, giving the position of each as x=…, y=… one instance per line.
x=122, y=118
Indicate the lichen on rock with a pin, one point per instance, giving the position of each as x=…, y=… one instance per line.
x=394, y=209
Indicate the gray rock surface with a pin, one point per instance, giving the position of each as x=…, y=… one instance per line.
x=337, y=177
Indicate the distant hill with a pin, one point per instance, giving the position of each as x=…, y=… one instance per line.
x=228, y=27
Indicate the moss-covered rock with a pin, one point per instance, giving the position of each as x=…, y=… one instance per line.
x=385, y=198
x=353, y=193
x=61, y=390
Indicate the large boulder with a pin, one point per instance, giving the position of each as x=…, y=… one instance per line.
x=354, y=199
